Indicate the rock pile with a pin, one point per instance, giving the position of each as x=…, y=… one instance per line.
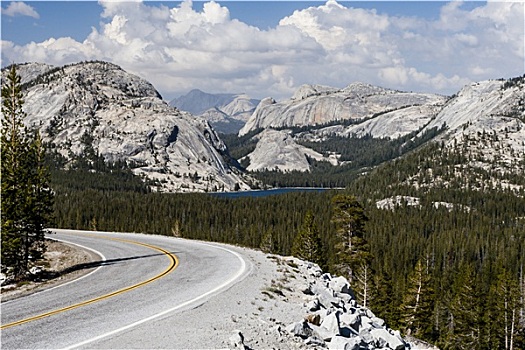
x=333, y=318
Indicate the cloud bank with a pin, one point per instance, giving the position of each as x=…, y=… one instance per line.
x=180, y=48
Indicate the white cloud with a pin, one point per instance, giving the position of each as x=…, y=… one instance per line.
x=179, y=48
x=18, y=8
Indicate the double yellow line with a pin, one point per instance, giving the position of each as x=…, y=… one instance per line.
x=174, y=262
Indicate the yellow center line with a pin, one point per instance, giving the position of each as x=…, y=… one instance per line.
x=174, y=262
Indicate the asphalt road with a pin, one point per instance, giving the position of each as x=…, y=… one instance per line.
x=139, y=279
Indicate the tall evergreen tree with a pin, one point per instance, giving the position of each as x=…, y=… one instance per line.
x=307, y=242
x=418, y=303
x=26, y=199
x=505, y=296
x=267, y=242
x=351, y=246
x=467, y=311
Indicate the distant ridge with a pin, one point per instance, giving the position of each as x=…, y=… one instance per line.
x=227, y=113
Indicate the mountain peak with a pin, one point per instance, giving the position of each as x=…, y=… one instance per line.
x=94, y=110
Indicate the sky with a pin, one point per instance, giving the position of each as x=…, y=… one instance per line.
x=271, y=48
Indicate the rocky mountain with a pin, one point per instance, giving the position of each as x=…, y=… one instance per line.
x=96, y=109
x=227, y=113
x=358, y=102
x=277, y=150
x=487, y=117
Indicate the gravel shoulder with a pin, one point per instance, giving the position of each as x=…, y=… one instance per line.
x=61, y=261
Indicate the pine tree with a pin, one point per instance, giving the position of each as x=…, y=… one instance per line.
x=307, y=242
x=506, y=300
x=268, y=242
x=467, y=311
x=383, y=302
x=26, y=197
x=418, y=304
x=351, y=247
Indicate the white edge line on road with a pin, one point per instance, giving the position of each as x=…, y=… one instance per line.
x=180, y=306
x=102, y=257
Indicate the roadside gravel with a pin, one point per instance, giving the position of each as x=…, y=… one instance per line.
x=60, y=258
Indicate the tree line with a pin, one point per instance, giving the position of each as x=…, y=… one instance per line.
x=26, y=198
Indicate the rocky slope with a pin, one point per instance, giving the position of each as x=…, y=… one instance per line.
x=277, y=150
x=227, y=113
x=315, y=104
x=98, y=109
x=486, y=118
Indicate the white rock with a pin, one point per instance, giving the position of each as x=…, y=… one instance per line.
x=331, y=323
x=340, y=285
x=98, y=106
x=351, y=320
x=386, y=339
x=35, y=270
x=300, y=329
x=342, y=343
x=314, y=104
x=322, y=332
x=278, y=150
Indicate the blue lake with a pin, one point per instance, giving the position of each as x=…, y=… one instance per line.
x=264, y=193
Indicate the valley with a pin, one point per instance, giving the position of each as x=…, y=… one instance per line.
x=437, y=182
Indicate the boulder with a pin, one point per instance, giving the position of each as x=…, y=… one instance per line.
x=314, y=270
x=313, y=305
x=326, y=276
x=337, y=343
x=351, y=320
x=355, y=343
x=339, y=285
x=378, y=322
x=328, y=301
x=366, y=323
x=322, y=333
x=300, y=329
x=315, y=340
x=331, y=323
x=384, y=338
x=307, y=289
x=341, y=343
x=367, y=336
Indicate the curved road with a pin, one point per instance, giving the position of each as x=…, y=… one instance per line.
x=139, y=278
